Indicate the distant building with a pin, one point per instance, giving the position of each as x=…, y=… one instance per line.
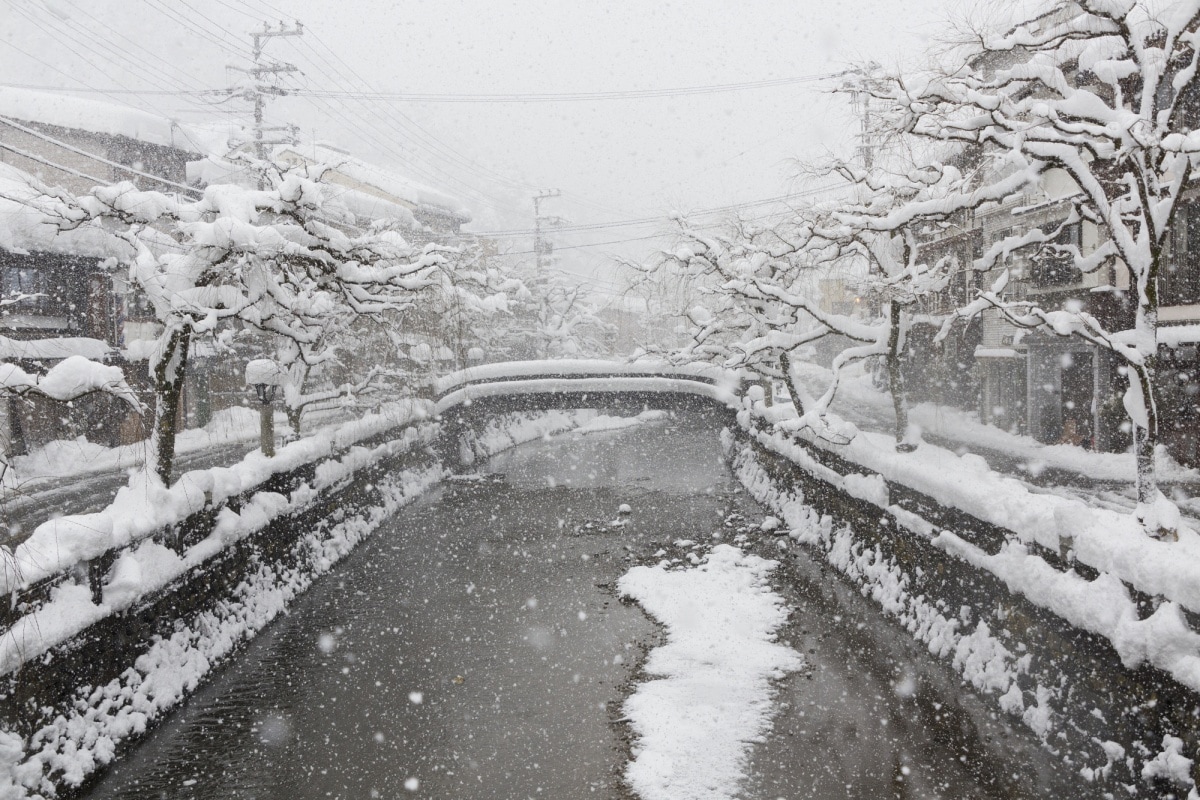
x=372, y=192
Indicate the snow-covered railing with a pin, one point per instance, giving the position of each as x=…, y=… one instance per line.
x=583, y=368
x=1094, y=568
x=108, y=551
x=585, y=377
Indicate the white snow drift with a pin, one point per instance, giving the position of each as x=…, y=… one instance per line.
x=712, y=695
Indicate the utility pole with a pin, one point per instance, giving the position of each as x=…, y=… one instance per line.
x=539, y=247
x=862, y=99
x=261, y=90
x=862, y=104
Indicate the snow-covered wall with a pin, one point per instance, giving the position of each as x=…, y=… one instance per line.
x=1105, y=680
x=259, y=555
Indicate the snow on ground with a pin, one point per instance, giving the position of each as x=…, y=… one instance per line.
x=858, y=394
x=710, y=694
x=64, y=458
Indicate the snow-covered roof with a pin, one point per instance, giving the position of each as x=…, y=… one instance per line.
x=399, y=187
x=53, y=349
x=99, y=116
x=213, y=170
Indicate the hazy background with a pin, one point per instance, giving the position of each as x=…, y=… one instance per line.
x=613, y=159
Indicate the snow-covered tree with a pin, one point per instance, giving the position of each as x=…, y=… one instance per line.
x=733, y=320
x=546, y=314
x=274, y=259
x=764, y=295
x=564, y=317
x=1106, y=93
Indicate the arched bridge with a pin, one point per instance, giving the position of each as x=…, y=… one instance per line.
x=607, y=385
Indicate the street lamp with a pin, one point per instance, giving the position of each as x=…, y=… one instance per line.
x=265, y=376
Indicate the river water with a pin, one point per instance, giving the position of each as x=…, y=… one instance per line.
x=474, y=648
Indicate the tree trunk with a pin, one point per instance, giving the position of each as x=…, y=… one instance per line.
x=168, y=376
x=785, y=366
x=294, y=415
x=896, y=377
x=1146, y=439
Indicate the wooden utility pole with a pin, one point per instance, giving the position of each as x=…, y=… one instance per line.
x=539, y=247
x=260, y=90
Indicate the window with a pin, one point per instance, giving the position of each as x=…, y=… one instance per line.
x=1052, y=266
x=1179, y=276
x=25, y=289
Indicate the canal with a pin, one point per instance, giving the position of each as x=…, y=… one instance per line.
x=474, y=647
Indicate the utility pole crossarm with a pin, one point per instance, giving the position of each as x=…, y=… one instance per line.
x=262, y=91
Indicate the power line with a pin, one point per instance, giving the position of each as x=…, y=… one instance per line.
x=561, y=97
x=525, y=97
x=94, y=157
x=658, y=219
x=105, y=53
x=588, y=244
x=94, y=90
x=431, y=141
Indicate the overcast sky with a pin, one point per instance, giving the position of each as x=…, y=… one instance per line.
x=612, y=159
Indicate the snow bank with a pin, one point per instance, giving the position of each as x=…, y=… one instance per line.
x=1111, y=542
x=86, y=736
x=695, y=722
x=976, y=653
x=1106, y=540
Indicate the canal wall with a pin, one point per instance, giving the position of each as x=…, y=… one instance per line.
x=992, y=603
x=98, y=649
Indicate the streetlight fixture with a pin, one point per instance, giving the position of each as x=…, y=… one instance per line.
x=266, y=377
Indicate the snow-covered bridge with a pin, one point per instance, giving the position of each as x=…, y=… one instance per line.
x=536, y=385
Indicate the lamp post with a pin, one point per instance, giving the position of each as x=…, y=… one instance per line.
x=265, y=376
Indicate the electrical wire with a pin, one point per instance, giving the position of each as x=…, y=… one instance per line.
x=379, y=137
x=655, y=220
x=524, y=97
x=569, y=97
x=432, y=141
x=105, y=53
x=94, y=157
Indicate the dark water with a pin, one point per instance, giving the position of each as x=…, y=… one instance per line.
x=474, y=648
x=485, y=602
